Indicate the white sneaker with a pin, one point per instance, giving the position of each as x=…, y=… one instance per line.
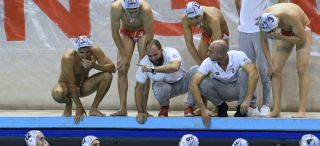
x=253, y=112
x=264, y=111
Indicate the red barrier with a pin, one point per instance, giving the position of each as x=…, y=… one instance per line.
x=77, y=21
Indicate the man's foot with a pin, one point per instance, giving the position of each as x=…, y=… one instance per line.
x=274, y=114
x=96, y=113
x=264, y=111
x=149, y=115
x=299, y=115
x=197, y=112
x=253, y=112
x=164, y=110
x=238, y=113
x=119, y=113
x=188, y=112
x=223, y=110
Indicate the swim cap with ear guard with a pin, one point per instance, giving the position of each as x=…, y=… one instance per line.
x=268, y=22
x=131, y=4
x=193, y=9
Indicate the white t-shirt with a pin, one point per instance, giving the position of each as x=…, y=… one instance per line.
x=169, y=55
x=236, y=60
x=250, y=10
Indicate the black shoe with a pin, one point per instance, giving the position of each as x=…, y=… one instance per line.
x=223, y=110
x=238, y=113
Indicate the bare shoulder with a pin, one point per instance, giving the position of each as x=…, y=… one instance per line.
x=145, y=7
x=116, y=7
x=212, y=12
x=184, y=20
x=68, y=56
x=96, y=49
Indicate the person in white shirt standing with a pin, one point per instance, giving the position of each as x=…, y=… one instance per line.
x=165, y=68
x=222, y=77
x=249, y=42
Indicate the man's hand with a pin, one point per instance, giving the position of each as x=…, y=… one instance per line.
x=142, y=117
x=123, y=64
x=144, y=68
x=244, y=106
x=80, y=113
x=275, y=35
x=272, y=69
x=205, y=115
x=87, y=64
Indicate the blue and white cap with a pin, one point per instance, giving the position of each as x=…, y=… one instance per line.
x=82, y=41
x=240, y=142
x=31, y=137
x=268, y=22
x=131, y=4
x=309, y=140
x=189, y=140
x=193, y=9
x=86, y=141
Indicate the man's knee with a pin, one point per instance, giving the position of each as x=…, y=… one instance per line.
x=193, y=70
x=302, y=70
x=58, y=95
x=161, y=90
x=106, y=76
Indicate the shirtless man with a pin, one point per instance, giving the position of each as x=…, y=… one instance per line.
x=131, y=23
x=288, y=24
x=74, y=80
x=212, y=23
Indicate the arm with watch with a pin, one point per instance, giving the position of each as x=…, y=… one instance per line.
x=173, y=66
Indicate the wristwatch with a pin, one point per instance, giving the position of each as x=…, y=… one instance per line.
x=153, y=70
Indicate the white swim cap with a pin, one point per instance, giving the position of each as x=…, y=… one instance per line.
x=193, y=9
x=31, y=137
x=189, y=140
x=86, y=141
x=240, y=142
x=131, y=4
x=82, y=41
x=309, y=140
x=268, y=22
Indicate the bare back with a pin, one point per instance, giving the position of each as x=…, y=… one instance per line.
x=290, y=15
x=212, y=16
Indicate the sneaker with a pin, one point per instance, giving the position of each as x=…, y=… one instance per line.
x=264, y=111
x=238, y=113
x=188, y=112
x=253, y=112
x=163, y=111
x=223, y=110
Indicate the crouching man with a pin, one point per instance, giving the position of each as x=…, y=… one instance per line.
x=233, y=78
x=164, y=67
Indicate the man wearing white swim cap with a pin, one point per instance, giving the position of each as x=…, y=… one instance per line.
x=288, y=24
x=90, y=140
x=240, y=142
x=309, y=140
x=212, y=23
x=249, y=42
x=35, y=138
x=75, y=82
x=189, y=140
x=131, y=24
